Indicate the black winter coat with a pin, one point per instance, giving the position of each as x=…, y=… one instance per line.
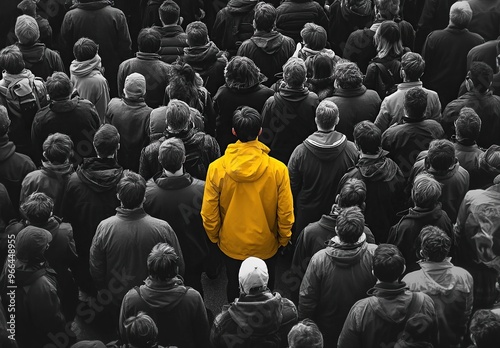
x=293, y=14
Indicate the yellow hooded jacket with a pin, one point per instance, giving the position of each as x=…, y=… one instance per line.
x=247, y=204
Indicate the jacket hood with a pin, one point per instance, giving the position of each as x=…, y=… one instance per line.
x=7, y=148
x=246, y=162
x=11, y=77
x=345, y=254
x=326, y=145
x=163, y=296
x=86, y=67
x=378, y=168
x=32, y=54
x=92, y=5
x=390, y=306
x=241, y=6
x=293, y=94
x=173, y=182
x=250, y=306
x=443, y=175
x=356, y=8
x=57, y=169
x=270, y=42
x=202, y=57
x=170, y=31
x=439, y=279
x=100, y=174
x=322, y=87
x=425, y=214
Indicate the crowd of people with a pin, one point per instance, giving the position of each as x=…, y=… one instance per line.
x=355, y=141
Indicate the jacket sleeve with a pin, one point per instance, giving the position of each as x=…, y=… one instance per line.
x=124, y=44
x=310, y=293
x=294, y=165
x=384, y=118
x=210, y=209
x=351, y=334
x=285, y=210
x=120, y=79
x=145, y=169
x=171, y=238
x=97, y=261
x=212, y=148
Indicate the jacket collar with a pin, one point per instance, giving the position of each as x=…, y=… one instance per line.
x=173, y=182
x=131, y=214
x=383, y=289
x=147, y=56
x=349, y=93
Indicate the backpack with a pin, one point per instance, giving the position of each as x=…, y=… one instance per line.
x=385, y=80
x=196, y=158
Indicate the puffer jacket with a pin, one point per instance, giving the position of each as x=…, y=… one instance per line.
x=173, y=41
x=343, y=271
x=246, y=177
x=293, y=14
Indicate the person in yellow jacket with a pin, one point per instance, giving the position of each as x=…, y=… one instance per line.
x=247, y=203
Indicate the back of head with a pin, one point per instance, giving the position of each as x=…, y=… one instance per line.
x=388, y=263
x=172, y=154
x=264, y=16
x=460, y=14
x=141, y=331
x=388, y=9
x=468, y=125
x=183, y=85
x=426, y=191
x=353, y=193
x=294, y=72
x=11, y=60
x=59, y=86
x=106, y=140
x=37, y=208
x=350, y=224
x=305, y=334
x=131, y=190
x=149, y=40
x=85, y=49
x=485, y=329
x=368, y=137
x=434, y=243
x=247, y=123
x=26, y=30
x=322, y=66
x=327, y=115
x=177, y=116
x=28, y=7
x=197, y=34
x=441, y=155
x=415, y=103
x=31, y=244
x=481, y=75
x=314, y=36
x=58, y=148
x=169, y=12
x=388, y=39
x=348, y=76
x=4, y=121
x=413, y=66
x=163, y=262
x=241, y=72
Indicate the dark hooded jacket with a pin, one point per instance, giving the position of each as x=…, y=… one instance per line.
x=209, y=62
x=288, y=120
x=269, y=51
x=343, y=271
x=177, y=310
x=190, y=11
x=233, y=25
x=384, y=191
x=322, y=87
x=316, y=167
x=235, y=328
x=487, y=171
x=173, y=41
x=405, y=233
x=40, y=60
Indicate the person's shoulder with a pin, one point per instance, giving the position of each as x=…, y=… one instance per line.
x=414, y=279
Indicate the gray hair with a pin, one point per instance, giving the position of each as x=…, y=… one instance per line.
x=327, y=115
x=460, y=14
x=426, y=191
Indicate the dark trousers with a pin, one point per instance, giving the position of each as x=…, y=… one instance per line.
x=233, y=269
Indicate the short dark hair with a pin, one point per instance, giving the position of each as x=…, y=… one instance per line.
x=314, y=36
x=11, y=60
x=434, y=243
x=265, y=16
x=468, y=124
x=85, y=49
x=327, y=115
x=106, y=140
x=441, y=154
x=178, y=115
x=169, y=12
x=481, y=75
x=350, y=224
x=348, y=75
x=149, y=40
x=353, y=193
x=131, y=189
x=247, y=123
x=163, y=262
x=58, y=148
x=197, y=34
x=413, y=65
x=485, y=329
x=415, y=103
x=388, y=263
x=426, y=191
x=241, y=72
x=305, y=334
x=171, y=154
x=37, y=208
x=59, y=86
x=141, y=331
x=368, y=137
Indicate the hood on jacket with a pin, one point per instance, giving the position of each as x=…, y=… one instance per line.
x=356, y=8
x=391, y=305
x=62, y=106
x=439, y=279
x=306, y=52
x=86, y=67
x=241, y=6
x=270, y=42
x=250, y=306
x=100, y=174
x=202, y=57
x=9, y=78
x=55, y=170
x=7, y=148
x=173, y=182
x=32, y=54
x=378, y=169
x=326, y=146
x=424, y=214
x=245, y=162
x=444, y=174
x=92, y=5
x=345, y=254
x=322, y=87
x=163, y=296
x=292, y=94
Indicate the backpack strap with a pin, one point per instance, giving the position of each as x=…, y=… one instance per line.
x=417, y=300
x=387, y=73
